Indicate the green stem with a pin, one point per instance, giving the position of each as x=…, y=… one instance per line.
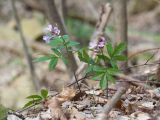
x=107, y=79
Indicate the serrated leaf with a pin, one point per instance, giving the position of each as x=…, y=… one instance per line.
x=120, y=57
x=56, y=51
x=72, y=43
x=99, y=69
x=83, y=55
x=103, y=57
x=113, y=63
x=103, y=82
x=98, y=76
x=119, y=48
x=41, y=59
x=57, y=41
x=110, y=78
x=44, y=93
x=34, y=97
x=109, y=49
x=112, y=71
x=65, y=37
x=53, y=62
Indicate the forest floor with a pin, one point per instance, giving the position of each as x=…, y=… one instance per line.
x=140, y=102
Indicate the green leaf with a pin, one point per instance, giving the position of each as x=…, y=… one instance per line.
x=112, y=71
x=120, y=57
x=103, y=81
x=119, y=48
x=3, y=112
x=65, y=37
x=53, y=62
x=41, y=59
x=89, y=69
x=113, y=63
x=56, y=51
x=99, y=69
x=34, y=97
x=98, y=76
x=57, y=41
x=31, y=102
x=110, y=78
x=83, y=55
x=28, y=104
x=72, y=43
x=103, y=57
x=44, y=93
x=109, y=49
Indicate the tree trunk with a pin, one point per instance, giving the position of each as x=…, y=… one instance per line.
x=120, y=16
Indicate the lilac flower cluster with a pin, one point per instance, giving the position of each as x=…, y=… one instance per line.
x=98, y=45
x=51, y=32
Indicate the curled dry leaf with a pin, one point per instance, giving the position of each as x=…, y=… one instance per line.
x=66, y=94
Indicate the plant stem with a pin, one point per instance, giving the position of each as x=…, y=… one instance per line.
x=107, y=79
x=67, y=50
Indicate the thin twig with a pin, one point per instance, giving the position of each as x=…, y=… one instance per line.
x=142, y=51
x=151, y=57
x=25, y=48
x=138, y=81
x=156, y=63
x=77, y=82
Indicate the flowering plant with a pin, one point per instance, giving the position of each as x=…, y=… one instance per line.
x=102, y=67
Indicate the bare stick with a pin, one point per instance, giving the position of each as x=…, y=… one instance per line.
x=111, y=104
x=101, y=25
x=142, y=51
x=128, y=78
x=25, y=48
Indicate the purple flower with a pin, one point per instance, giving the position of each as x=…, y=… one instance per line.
x=55, y=31
x=97, y=45
x=49, y=28
x=51, y=32
x=46, y=38
x=101, y=42
x=92, y=45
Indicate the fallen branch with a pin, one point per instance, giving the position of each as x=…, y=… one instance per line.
x=111, y=103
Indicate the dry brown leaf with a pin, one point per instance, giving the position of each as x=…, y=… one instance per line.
x=56, y=111
x=140, y=116
x=66, y=94
x=100, y=100
x=94, y=92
